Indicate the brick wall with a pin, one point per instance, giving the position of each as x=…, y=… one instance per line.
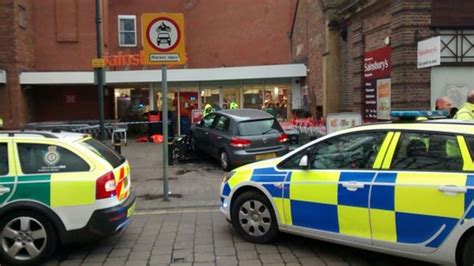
x=218, y=33
x=366, y=30
x=16, y=55
x=410, y=86
x=307, y=45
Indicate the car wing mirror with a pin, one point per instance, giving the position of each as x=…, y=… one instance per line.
x=304, y=162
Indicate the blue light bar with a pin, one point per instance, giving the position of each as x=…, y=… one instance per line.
x=415, y=114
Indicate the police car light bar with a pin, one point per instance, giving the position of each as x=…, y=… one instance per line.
x=415, y=114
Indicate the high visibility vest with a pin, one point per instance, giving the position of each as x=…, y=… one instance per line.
x=207, y=110
x=233, y=105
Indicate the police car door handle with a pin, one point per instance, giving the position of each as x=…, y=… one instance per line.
x=452, y=189
x=4, y=190
x=353, y=185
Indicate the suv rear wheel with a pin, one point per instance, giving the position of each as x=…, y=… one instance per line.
x=26, y=238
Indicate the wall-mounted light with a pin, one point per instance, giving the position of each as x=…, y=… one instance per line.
x=276, y=90
x=387, y=40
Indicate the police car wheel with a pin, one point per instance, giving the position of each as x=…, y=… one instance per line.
x=26, y=238
x=253, y=217
x=468, y=252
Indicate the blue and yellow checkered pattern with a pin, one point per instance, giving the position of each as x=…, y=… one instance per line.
x=401, y=207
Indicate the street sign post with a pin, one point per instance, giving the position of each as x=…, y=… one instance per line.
x=163, y=44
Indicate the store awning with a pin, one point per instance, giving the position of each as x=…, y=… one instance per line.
x=3, y=76
x=174, y=75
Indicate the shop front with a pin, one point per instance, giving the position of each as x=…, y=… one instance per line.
x=189, y=90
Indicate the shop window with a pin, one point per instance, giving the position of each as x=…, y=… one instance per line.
x=253, y=97
x=127, y=31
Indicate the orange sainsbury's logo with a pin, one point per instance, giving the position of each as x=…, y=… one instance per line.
x=124, y=59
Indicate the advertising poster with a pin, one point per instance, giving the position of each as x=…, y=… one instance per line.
x=383, y=99
x=339, y=121
x=377, y=66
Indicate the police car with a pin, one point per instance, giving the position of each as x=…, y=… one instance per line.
x=405, y=189
x=58, y=188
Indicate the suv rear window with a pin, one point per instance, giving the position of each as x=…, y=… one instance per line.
x=104, y=151
x=259, y=127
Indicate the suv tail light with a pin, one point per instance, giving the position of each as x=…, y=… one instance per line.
x=105, y=186
x=240, y=143
x=283, y=138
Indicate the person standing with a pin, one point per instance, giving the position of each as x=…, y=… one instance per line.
x=443, y=104
x=467, y=111
x=207, y=109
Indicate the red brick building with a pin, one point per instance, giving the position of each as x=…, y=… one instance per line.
x=337, y=41
x=237, y=50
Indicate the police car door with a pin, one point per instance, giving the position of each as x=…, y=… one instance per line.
x=330, y=197
x=7, y=171
x=420, y=198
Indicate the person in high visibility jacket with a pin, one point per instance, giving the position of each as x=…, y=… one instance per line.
x=207, y=109
x=467, y=111
x=233, y=105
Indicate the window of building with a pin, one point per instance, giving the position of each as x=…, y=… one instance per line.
x=22, y=16
x=3, y=159
x=457, y=46
x=427, y=152
x=42, y=158
x=127, y=30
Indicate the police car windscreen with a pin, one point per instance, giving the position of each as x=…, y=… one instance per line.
x=104, y=151
x=259, y=127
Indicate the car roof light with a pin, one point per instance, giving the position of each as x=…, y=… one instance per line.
x=415, y=114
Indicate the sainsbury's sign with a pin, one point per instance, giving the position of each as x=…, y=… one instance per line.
x=377, y=63
x=429, y=52
x=120, y=59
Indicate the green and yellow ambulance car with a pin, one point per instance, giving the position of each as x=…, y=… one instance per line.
x=58, y=188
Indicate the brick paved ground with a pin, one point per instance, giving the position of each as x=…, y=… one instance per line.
x=196, y=183
x=203, y=237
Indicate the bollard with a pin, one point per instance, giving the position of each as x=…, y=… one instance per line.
x=118, y=145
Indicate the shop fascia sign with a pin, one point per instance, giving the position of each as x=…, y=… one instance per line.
x=429, y=52
x=120, y=59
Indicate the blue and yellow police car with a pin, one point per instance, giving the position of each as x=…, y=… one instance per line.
x=405, y=189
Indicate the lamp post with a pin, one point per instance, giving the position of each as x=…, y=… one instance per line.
x=100, y=70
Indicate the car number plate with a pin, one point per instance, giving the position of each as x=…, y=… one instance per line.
x=265, y=156
x=131, y=210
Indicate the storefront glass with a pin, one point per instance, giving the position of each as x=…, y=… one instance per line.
x=276, y=97
x=253, y=95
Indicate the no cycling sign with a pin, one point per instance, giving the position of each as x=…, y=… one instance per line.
x=163, y=38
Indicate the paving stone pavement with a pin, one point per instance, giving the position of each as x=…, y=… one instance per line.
x=195, y=183
x=203, y=237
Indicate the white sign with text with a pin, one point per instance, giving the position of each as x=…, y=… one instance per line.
x=429, y=52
